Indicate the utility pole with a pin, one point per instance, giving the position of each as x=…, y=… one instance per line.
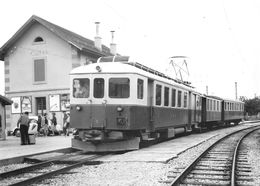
x=236, y=90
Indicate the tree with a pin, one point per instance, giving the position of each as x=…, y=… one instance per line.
x=252, y=106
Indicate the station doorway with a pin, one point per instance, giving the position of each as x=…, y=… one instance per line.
x=40, y=105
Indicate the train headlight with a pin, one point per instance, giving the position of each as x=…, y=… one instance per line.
x=98, y=68
x=78, y=108
x=119, y=109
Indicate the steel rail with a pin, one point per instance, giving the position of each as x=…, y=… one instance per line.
x=36, y=165
x=234, y=162
x=55, y=172
x=187, y=170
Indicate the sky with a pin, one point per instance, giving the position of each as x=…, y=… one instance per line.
x=220, y=38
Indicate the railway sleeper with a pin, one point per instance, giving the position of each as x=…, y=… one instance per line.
x=245, y=183
x=245, y=179
x=240, y=166
x=246, y=174
x=213, y=160
x=213, y=173
x=209, y=176
x=244, y=169
x=201, y=167
x=209, y=168
x=213, y=164
x=209, y=182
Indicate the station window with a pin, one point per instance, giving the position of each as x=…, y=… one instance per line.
x=140, y=89
x=119, y=88
x=185, y=99
x=173, y=97
x=179, y=98
x=39, y=70
x=214, y=105
x=99, y=87
x=38, y=39
x=81, y=88
x=166, y=96
x=158, y=95
x=207, y=102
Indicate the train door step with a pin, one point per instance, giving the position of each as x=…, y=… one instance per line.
x=149, y=139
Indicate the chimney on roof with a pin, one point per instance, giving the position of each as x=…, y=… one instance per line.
x=112, y=44
x=98, y=44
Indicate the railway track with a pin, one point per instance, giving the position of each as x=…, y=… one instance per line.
x=223, y=163
x=43, y=170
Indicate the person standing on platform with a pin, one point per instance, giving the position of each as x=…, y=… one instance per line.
x=39, y=123
x=54, y=123
x=45, y=125
x=65, y=116
x=24, y=124
x=67, y=124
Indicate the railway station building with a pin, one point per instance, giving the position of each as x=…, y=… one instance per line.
x=37, y=60
x=3, y=102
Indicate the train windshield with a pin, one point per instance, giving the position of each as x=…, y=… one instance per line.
x=119, y=88
x=81, y=88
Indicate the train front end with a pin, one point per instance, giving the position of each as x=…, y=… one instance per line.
x=105, y=108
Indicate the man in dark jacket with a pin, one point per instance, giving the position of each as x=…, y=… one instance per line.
x=54, y=123
x=24, y=124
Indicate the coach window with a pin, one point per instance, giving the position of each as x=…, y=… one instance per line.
x=185, y=99
x=99, y=87
x=140, y=89
x=173, y=97
x=166, y=96
x=158, y=94
x=179, y=98
x=119, y=88
x=81, y=88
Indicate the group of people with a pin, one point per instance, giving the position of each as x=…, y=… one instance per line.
x=44, y=126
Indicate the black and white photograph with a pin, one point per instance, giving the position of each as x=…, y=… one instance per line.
x=134, y=93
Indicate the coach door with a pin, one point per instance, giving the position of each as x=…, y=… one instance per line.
x=98, y=103
x=150, y=103
x=192, y=109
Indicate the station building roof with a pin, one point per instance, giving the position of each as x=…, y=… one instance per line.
x=74, y=39
x=5, y=101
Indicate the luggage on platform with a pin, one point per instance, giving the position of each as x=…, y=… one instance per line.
x=32, y=139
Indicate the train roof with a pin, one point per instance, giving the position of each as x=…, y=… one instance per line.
x=223, y=99
x=122, y=64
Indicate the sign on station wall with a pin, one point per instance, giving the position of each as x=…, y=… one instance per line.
x=54, y=102
x=65, y=102
x=26, y=104
x=16, y=106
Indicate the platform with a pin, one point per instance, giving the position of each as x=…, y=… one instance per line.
x=11, y=148
x=161, y=153
x=164, y=152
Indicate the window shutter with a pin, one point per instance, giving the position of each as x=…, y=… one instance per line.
x=39, y=70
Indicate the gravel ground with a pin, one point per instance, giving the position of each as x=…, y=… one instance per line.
x=13, y=167
x=138, y=173
x=253, y=144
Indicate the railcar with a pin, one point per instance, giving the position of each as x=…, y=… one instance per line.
x=116, y=100
x=117, y=103
x=211, y=111
x=233, y=111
